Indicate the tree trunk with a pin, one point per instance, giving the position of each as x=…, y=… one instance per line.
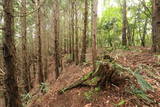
x=156, y=26
x=45, y=44
x=40, y=65
x=72, y=26
x=133, y=32
x=143, y=42
x=9, y=52
x=153, y=28
x=124, y=27
x=94, y=31
x=56, y=42
x=25, y=69
x=84, y=39
x=76, y=33
x=129, y=38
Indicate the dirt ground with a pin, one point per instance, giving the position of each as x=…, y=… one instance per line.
x=113, y=95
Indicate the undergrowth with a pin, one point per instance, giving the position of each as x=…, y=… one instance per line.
x=26, y=97
x=44, y=88
x=89, y=95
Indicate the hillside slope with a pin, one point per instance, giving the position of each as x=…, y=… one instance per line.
x=113, y=95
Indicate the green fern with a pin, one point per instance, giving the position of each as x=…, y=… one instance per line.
x=141, y=81
x=141, y=94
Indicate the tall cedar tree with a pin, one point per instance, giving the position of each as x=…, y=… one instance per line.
x=40, y=65
x=9, y=52
x=143, y=42
x=124, y=25
x=94, y=31
x=73, y=29
x=76, y=34
x=25, y=70
x=156, y=25
x=56, y=41
x=84, y=39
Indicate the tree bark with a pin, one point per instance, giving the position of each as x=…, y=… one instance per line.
x=56, y=42
x=40, y=65
x=73, y=29
x=45, y=43
x=76, y=34
x=129, y=38
x=70, y=25
x=124, y=27
x=9, y=53
x=25, y=69
x=156, y=25
x=143, y=42
x=94, y=32
x=84, y=39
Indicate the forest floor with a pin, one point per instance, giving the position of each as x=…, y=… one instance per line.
x=114, y=95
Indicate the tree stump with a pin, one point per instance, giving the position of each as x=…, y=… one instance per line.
x=104, y=72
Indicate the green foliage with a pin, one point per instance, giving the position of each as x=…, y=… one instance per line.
x=110, y=23
x=93, y=81
x=89, y=94
x=110, y=16
x=136, y=50
x=140, y=94
x=124, y=47
x=121, y=68
x=122, y=102
x=141, y=81
x=109, y=49
x=109, y=27
x=87, y=76
x=91, y=74
x=26, y=98
x=97, y=89
x=44, y=87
